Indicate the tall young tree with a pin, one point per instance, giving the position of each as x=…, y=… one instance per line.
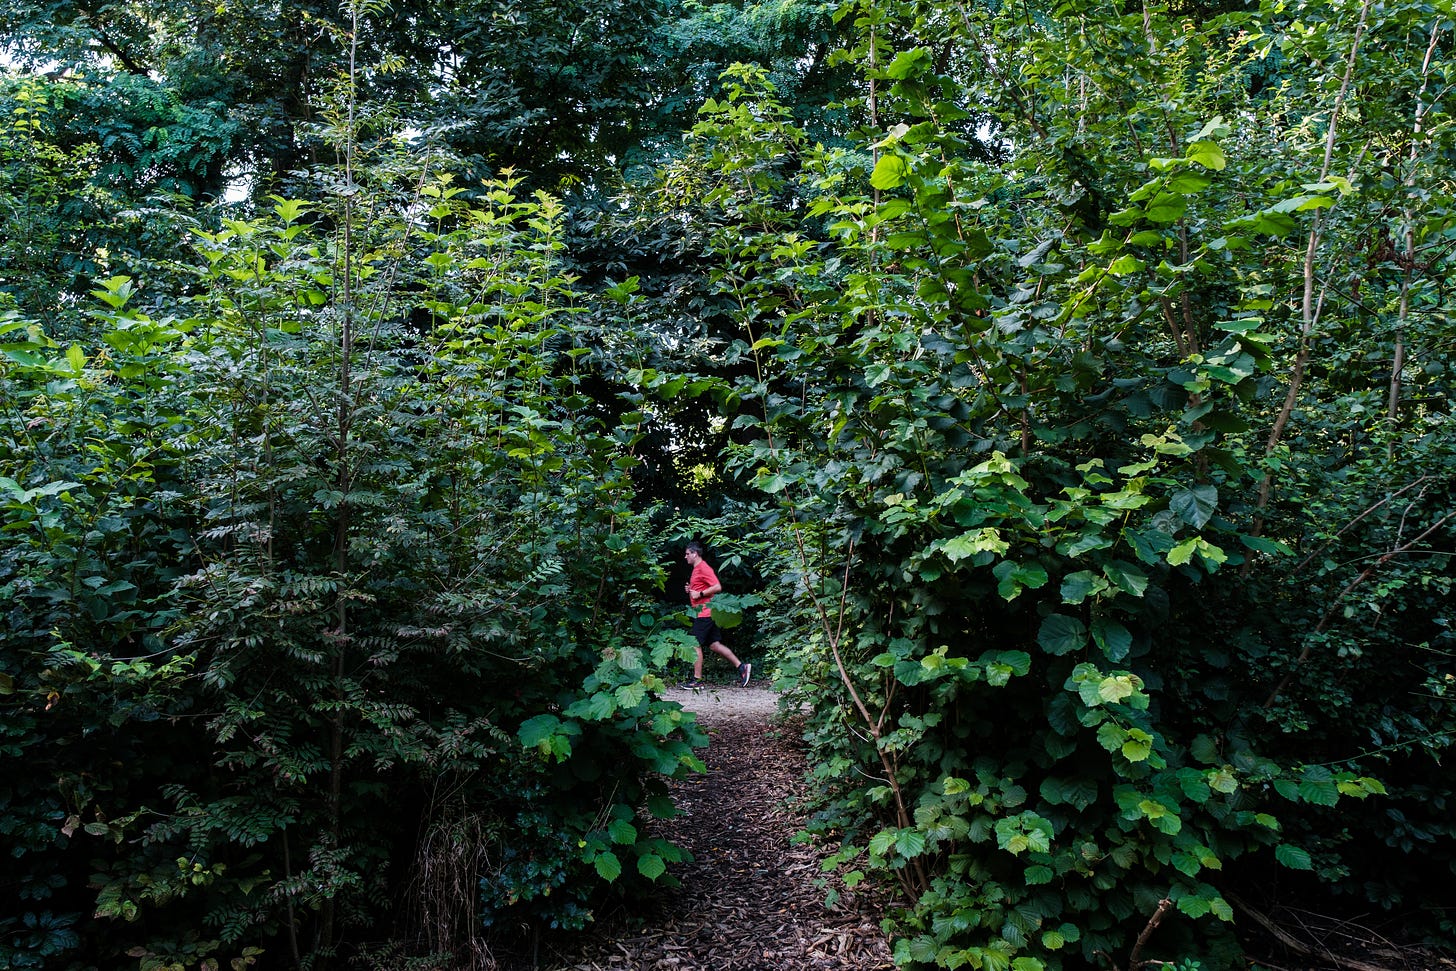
x=337, y=554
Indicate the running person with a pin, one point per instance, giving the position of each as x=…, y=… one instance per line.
x=700, y=590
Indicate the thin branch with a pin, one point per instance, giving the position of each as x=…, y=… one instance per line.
x=1351, y=524
x=1392, y=408
x=1330, y=613
x=1295, y=944
x=1134, y=960
x=1311, y=307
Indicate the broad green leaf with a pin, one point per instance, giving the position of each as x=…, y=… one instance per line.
x=729, y=609
x=1261, y=545
x=1113, y=639
x=1207, y=154
x=890, y=171
x=651, y=866
x=1373, y=786
x=1079, y=792
x=1167, y=209
x=771, y=484
x=1024, y=832
x=1294, y=857
x=1222, y=780
x=978, y=244
x=1117, y=688
x=976, y=541
x=725, y=617
x=910, y=843
x=1267, y=222
x=597, y=706
x=1215, y=127
x=1187, y=863
x=922, y=949
x=289, y=210
x=1086, y=543
x=1138, y=747
x=1016, y=577
x=608, y=867
x=1111, y=735
x=1126, y=577
x=1124, y=265
x=1195, y=506
x=1187, y=183
x=1183, y=552
x=536, y=730
x=1077, y=587
x=1304, y=203
x=1060, y=634
x=1194, y=907
x=1018, y=661
x=1204, y=749
x=908, y=64
x=631, y=695
x=1317, y=786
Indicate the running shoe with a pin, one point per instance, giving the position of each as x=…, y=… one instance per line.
x=745, y=672
x=692, y=684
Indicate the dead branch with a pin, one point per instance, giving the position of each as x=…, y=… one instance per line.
x=1134, y=960
x=1329, y=614
x=1295, y=944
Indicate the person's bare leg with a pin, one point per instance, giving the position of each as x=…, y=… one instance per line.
x=722, y=650
x=698, y=662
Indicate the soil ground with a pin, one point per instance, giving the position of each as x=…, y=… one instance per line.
x=748, y=900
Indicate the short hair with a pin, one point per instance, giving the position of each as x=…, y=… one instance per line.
x=695, y=547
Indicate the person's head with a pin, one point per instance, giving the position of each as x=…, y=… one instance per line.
x=693, y=552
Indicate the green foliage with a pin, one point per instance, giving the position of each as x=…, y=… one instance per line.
x=1021, y=424
x=1095, y=393
x=318, y=556
x=74, y=211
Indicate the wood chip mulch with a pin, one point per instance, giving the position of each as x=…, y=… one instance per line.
x=748, y=900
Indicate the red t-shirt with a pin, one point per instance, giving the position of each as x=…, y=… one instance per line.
x=702, y=579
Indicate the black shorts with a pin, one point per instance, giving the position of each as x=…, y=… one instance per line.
x=706, y=631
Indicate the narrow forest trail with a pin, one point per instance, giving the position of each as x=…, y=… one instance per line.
x=748, y=900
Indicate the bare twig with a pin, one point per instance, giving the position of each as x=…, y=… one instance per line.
x=1350, y=525
x=1295, y=944
x=1366, y=574
x=1134, y=960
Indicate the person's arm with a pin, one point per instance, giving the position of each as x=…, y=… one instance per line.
x=713, y=587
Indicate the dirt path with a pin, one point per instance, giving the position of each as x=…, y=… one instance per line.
x=748, y=900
